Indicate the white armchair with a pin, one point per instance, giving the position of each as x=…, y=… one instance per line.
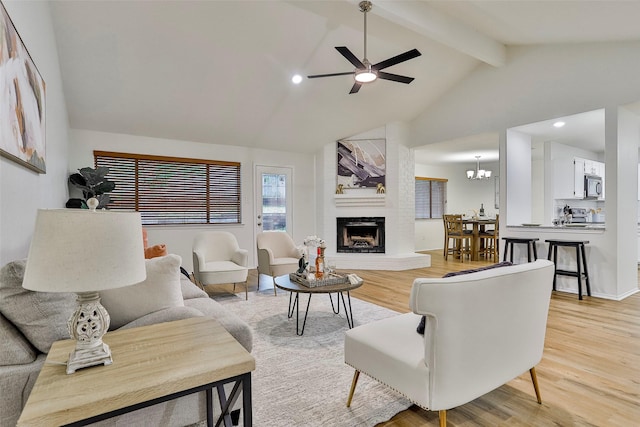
x=277, y=255
x=217, y=259
x=482, y=330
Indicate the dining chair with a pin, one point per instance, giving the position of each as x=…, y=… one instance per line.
x=457, y=240
x=490, y=242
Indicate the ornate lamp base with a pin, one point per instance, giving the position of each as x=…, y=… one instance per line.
x=87, y=326
x=84, y=358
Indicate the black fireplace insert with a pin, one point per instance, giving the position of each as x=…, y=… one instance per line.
x=360, y=235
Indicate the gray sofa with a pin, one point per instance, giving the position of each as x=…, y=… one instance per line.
x=31, y=321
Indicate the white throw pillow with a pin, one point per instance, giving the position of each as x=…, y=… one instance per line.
x=160, y=290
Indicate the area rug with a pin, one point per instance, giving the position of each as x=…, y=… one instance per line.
x=303, y=380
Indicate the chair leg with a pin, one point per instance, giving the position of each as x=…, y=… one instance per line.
x=356, y=375
x=443, y=417
x=246, y=290
x=534, y=379
x=275, y=292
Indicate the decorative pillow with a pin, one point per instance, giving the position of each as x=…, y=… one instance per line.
x=40, y=316
x=15, y=349
x=475, y=270
x=155, y=251
x=161, y=289
x=423, y=321
x=190, y=290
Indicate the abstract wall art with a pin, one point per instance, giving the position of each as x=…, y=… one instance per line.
x=22, y=101
x=361, y=163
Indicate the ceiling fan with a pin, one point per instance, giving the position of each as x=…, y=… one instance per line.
x=365, y=72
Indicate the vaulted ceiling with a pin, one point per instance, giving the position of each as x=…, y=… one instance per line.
x=220, y=71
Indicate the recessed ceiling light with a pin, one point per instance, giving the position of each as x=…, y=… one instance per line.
x=559, y=124
x=296, y=79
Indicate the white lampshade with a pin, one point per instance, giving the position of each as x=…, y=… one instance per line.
x=79, y=250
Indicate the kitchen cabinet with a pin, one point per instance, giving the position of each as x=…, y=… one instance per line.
x=592, y=167
x=568, y=178
x=601, y=173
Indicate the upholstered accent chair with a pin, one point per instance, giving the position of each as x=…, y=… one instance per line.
x=218, y=259
x=482, y=330
x=277, y=255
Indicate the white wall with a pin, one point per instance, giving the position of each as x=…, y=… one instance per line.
x=23, y=191
x=518, y=160
x=540, y=83
x=398, y=206
x=463, y=196
x=179, y=238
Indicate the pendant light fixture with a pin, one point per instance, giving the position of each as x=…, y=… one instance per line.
x=478, y=173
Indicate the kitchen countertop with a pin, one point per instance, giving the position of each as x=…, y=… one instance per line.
x=588, y=226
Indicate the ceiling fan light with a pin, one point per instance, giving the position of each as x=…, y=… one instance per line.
x=487, y=174
x=366, y=76
x=470, y=174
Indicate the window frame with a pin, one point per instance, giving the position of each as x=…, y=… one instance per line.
x=429, y=204
x=202, y=211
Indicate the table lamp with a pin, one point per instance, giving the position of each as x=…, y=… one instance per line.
x=85, y=251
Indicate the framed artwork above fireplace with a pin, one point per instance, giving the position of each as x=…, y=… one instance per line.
x=361, y=163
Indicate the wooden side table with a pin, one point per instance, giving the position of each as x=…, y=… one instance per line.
x=151, y=364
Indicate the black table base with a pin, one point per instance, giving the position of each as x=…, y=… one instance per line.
x=241, y=382
x=294, y=304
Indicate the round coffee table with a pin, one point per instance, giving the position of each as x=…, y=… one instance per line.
x=284, y=283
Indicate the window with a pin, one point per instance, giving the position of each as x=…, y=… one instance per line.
x=173, y=190
x=431, y=197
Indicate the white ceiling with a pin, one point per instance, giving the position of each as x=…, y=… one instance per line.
x=584, y=130
x=219, y=71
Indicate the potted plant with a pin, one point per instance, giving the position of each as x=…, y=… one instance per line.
x=92, y=183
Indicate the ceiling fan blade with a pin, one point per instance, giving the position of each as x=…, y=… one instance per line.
x=330, y=75
x=355, y=88
x=394, y=77
x=410, y=54
x=350, y=56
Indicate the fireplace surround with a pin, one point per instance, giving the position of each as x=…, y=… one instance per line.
x=360, y=235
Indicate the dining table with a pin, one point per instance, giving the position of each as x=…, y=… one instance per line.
x=478, y=225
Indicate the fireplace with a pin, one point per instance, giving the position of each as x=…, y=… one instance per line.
x=360, y=235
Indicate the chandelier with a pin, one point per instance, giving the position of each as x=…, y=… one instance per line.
x=478, y=173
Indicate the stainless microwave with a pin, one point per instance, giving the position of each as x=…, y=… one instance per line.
x=592, y=187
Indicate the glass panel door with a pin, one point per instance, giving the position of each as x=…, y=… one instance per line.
x=273, y=199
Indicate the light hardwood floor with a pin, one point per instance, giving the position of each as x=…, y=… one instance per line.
x=589, y=374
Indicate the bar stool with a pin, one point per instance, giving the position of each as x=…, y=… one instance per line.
x=529, y=241
x=581, y=257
